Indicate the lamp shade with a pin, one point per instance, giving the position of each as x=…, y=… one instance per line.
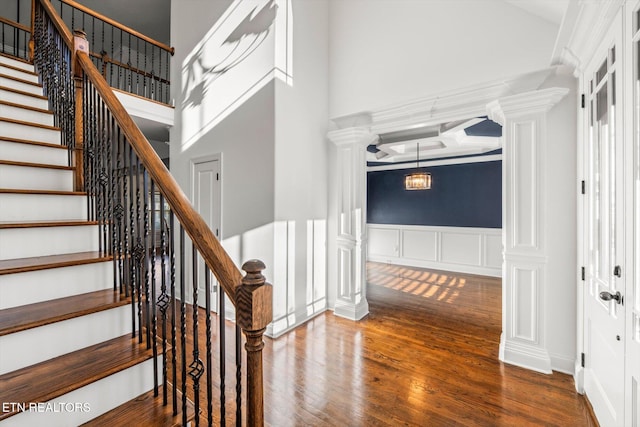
x=417, y=181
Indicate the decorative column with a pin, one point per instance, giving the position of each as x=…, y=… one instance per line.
x=524, y=207
x=351, y=238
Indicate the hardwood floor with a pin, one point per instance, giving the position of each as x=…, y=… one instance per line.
x=426, y=355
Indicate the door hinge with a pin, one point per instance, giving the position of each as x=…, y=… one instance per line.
x=582, y=273
x=217, y=177
x=583, y=187
x=582, y=101
x=582, y=360
x=217, y=233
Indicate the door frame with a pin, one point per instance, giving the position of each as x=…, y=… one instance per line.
x=218, y=202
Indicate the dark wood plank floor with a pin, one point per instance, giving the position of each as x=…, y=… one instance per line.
x=426, y=355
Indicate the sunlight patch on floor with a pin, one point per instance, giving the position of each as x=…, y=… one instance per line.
x=438, y=286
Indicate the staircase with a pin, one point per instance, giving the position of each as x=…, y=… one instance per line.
x=67, y=355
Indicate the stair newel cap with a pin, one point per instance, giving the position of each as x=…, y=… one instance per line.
x=80, y=41
x=254, y=297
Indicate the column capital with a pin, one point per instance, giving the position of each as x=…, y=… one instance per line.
x=537, y=101
x=354, y=135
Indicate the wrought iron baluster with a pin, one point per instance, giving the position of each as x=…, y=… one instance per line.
x=238, y=374
x=222, y=340
x=207, y=307
x=154, y=318
x=139, y=250
x=196, y=368
x=146, y=259
x=183, y=328
x=174, y=347
x=118, y=212
x=131, y=243
x=163, y=300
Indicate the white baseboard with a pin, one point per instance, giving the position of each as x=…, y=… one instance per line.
x=526, y=356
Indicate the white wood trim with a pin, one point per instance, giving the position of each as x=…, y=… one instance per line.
x=428, y=163
x=402, y=249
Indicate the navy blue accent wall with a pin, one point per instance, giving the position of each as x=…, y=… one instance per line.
x=464, y=195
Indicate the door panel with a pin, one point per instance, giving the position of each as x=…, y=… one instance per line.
x=206, y=199
x=632, y=375
x=604, y=316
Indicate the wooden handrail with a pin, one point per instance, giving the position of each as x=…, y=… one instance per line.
x=118, y=25
x=208, y=245
x=15, y=24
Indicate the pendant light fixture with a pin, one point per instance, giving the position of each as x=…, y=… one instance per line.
x=417, y=180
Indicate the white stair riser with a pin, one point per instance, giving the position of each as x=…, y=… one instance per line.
x=31, y=133
x=62, y=337
x=100, y=397
x=26, y=115
x=36, y=286
x=24, y=75
x=34, y=178
x=18, y=85
x=39, y=207
x=43, y=241
x=17, y=98
x=16, y=63
x=19, y=152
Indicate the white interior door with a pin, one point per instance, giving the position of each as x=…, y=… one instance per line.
x=604, y=322
x=207, y=198
x=632, y=375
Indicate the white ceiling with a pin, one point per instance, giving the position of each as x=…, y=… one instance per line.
x=549, y=10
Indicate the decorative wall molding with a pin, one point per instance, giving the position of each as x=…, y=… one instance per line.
x=351, y=203
x=461, y=249
x=525, y=133
x=429, y=163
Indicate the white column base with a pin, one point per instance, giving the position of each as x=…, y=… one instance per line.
x=525, y=356
x=351, y=311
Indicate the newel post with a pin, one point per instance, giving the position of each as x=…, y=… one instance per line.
x=254, y=312
x=80, y=43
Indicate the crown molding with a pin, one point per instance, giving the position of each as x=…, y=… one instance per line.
x=352, y=135
x=539, y=101
x=584, y=26
x=458, y=104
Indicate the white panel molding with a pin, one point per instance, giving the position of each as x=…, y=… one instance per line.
x=524, y=281
x=407, y=249
x=351, y=238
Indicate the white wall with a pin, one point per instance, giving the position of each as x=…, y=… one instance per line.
x=273, y=149
x=301, y=168
x=245, y=139
x=388, y=51
x=561, y=188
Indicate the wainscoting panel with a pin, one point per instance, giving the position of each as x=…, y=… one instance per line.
x=460, y=249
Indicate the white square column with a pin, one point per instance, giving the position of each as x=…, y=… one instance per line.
x=350, y=199
x=525, y=202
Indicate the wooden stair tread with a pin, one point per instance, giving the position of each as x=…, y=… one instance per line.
x=24, y=123
x=26, y=107
x=21, y=265
x=50, y=192
x=146, y=410
x=26, y=141
x=19, y=80
x=25, y=317
x=34, y=165
x=36, y=224
x=33, y=73
x=16, y=58
x=21, y=92
x=55, y=377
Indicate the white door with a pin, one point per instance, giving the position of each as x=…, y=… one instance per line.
x=207, y=198
x=604, y=311
x=632, y=375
